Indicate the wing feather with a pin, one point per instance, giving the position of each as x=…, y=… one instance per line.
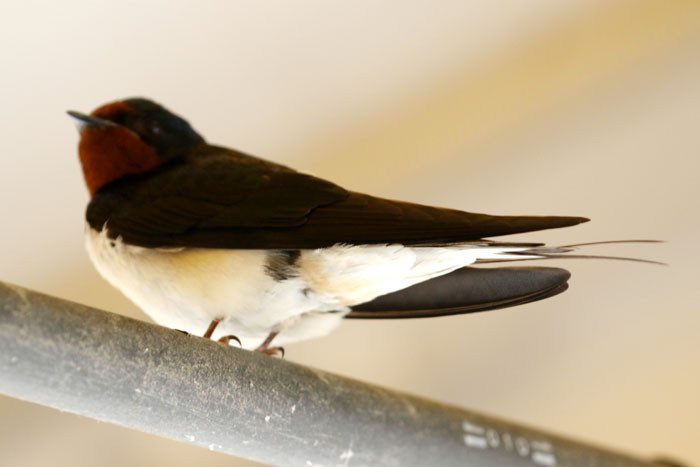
x=219, y=198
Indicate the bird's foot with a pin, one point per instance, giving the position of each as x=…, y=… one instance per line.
x=273, y=351
x=223, y=340
x=227, y=339
x=265, y=348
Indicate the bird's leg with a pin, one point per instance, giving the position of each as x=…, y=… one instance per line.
x=224, y=339
x=210, y=329
x=265, y=348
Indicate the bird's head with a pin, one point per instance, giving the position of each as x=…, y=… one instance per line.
x=129, y=137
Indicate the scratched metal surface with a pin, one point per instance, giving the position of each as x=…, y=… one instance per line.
x=138, y=375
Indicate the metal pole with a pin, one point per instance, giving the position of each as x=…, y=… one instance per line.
x=139, y=375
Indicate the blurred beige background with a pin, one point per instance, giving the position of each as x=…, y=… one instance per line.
x=581, y=107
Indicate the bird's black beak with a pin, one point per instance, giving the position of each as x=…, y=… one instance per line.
x=82, y=120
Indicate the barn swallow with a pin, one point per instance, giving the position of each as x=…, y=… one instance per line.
x=218, y=243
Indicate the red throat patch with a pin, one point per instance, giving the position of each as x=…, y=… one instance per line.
x=111, y=152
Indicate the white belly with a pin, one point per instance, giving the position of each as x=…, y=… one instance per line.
x=189, y=287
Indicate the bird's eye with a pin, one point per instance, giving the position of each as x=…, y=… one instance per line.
x=155, y=128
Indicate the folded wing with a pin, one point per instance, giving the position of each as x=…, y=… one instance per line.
x=223, y=199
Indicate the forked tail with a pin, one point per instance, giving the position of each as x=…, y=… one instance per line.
x=536, y=251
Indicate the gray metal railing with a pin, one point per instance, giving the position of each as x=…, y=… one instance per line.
x=139, y=375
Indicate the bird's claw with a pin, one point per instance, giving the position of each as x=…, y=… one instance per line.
x=230, y=337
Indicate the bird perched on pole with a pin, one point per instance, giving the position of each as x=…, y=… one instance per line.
x=218, y=243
